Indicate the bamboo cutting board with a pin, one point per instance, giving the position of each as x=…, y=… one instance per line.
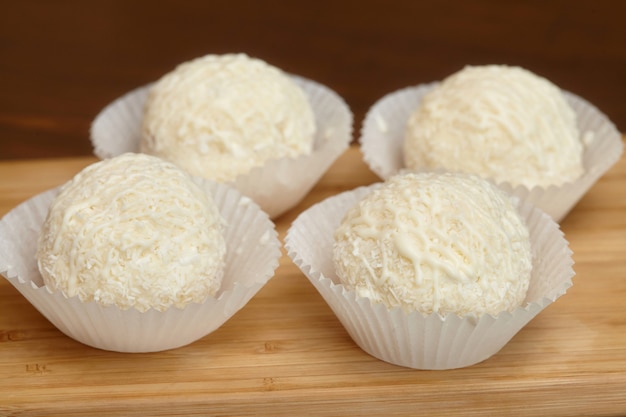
x=286, y=354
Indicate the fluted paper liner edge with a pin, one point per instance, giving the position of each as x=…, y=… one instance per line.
x=253, y=251
x=383, y=129
x=412, y=339
x=278, y=185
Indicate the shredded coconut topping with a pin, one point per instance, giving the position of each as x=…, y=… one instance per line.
x=133, y=231
x=500, y=122
x=219, y=116
x=446, y=243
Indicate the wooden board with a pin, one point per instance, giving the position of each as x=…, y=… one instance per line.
x=286, y=354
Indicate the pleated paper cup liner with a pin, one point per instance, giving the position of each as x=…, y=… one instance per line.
x=279, y=184
x=382, y=137
x=252, y=253
x=415, y=340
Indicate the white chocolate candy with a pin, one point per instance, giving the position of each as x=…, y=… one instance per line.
x=219, y=116
x=432, y=242
x=133, y=231
x=500, y=122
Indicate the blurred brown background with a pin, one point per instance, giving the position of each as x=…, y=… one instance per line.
x=61, y=61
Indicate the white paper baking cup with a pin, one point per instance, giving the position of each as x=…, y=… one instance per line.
x=253, y=250
x=412, y=339
x=278, y=185
x=382, y=136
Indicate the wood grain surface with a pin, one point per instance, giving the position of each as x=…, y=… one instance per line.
x=286, y=354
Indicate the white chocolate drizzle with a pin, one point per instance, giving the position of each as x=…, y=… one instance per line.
x=500, y=122
x=219, y=116
x=434, y=242
x=133, y=231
